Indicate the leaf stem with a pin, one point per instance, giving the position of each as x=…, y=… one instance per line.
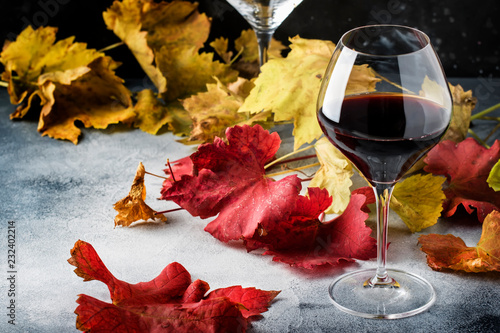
x=152, y=174
x=292, y=170
x=296, y=159
x=4, y=84
x=171, y=171
x=484, y=112
x=278, y=160
x=169, y=211
x=110, y=47
x=475, y=136
x=492, y=132
x=236, y=56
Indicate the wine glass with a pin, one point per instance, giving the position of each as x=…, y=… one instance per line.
x=383, y=131
x=264, y=16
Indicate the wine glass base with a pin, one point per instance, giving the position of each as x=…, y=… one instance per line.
x=412, y=295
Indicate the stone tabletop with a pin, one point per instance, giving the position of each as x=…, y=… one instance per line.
x=57, y=193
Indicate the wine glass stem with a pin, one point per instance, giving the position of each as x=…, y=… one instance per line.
x=383, y=194
x=264, y=40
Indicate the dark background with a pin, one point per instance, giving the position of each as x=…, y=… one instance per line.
x=465, y=33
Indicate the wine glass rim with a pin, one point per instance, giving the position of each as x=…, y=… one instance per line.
x=418, y=32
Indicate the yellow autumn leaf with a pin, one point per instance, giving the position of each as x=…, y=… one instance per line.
x=35, y=53
x=418, y=200
x=151, y=113
x=494, y=177
x=180, y=123
x=289, y=86
x=188, y=71
x=213, y=111
x=124, y=19
x=166, y=37
x=220, y=45
x=247, y=44
x=73, y=83
x=334, y=175
x=96, y=99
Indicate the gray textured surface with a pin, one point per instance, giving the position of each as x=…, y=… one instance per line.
x=57, y=193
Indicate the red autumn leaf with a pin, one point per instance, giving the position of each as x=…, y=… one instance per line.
x=466, y=166
x=367, y=191
x=183, y=166
x=254, y=301
x=450, y=252
x=229, y=180
x=303, y=241
x=170, y=302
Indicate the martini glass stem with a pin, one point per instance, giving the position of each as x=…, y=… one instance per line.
x=264, y=40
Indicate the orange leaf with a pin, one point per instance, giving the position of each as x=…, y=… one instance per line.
x=448, y=251
x=133, y=208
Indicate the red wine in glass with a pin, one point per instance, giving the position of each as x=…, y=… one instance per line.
x=383, y=131
x=384, y=134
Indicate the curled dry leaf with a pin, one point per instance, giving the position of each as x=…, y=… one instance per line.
x=463, y=104
x=450, y=252
x=132, y=208
x=73, y=83
x=171, y=302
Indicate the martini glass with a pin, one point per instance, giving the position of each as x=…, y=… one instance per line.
x=383, y=132
x=264, y=16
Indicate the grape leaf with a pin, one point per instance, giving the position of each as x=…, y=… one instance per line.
x=188, y=71
x=72, y=82
x=466, y=166
x=151, y=113
x=334, y=174
x=289, y=86
x=229, y=180
x=494, y=177
x=418, y=200
x=35, y=52
x=96, y=99
x=217, y=109
x=304, y=241
x=170, y=302
x=450, y=252
x=132, y=208
x=247, y=43
x=165, y=38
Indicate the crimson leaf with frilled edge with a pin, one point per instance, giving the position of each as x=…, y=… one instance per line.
x=228, y=180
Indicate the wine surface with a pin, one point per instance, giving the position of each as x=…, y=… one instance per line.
x=383, y=135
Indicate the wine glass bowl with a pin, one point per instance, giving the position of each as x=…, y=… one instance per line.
x=264, y=16
x=383, y=131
